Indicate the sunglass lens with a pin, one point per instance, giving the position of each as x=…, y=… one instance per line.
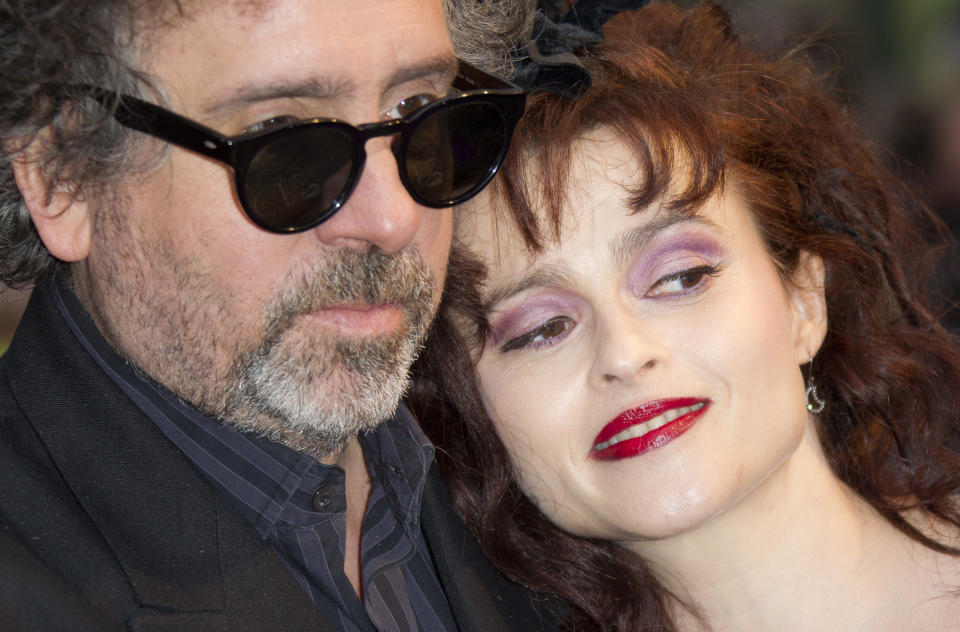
x=453, y=151
x=300, y=179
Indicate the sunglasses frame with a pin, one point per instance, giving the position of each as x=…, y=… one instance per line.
x=471, y=84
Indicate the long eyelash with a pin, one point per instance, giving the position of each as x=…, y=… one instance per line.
x=519, y=342
x=526, y=339
x=705, y=270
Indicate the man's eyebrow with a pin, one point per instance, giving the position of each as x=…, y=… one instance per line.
x=440, y=69
x=246, y=95
x=551, y=275
x=626, y=246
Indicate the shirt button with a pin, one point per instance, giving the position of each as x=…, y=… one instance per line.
x=322, y=498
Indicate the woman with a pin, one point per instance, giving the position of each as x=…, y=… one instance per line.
x=684, y=376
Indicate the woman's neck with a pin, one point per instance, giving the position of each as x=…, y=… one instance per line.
x=803, y=552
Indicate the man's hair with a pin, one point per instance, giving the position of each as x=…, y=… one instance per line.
x=48, y=48
x=681, y=89
x=487, y=33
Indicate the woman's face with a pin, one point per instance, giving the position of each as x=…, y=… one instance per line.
x=644, y=371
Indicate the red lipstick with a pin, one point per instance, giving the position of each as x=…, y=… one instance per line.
x=647, y=427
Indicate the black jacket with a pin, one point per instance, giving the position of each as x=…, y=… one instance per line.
x=105, y=525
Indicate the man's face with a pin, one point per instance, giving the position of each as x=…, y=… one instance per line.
x=305, y=337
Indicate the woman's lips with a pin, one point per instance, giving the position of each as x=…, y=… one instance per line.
x=647, y=427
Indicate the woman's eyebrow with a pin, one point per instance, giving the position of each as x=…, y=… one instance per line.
x=549, y=275
x=632, y=241
x=623, y=249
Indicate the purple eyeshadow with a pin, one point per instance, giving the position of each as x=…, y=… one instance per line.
x=526, y=315
x=650, y=263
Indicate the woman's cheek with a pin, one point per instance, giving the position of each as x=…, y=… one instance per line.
x=519, y=400
x=502, y=385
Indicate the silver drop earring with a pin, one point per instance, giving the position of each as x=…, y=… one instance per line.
x=815, y=403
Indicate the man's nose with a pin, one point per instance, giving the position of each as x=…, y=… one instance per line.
x=380, y=212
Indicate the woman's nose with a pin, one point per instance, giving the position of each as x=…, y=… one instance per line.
x=627, y=348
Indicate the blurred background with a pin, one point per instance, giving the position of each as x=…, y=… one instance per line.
x=897, y=66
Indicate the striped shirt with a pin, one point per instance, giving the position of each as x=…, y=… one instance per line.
x=298, y=504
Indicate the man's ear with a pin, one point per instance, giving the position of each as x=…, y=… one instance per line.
x=809, y=305
x=63, y=221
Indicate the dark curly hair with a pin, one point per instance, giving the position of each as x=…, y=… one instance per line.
x=47, y=49
x=680, y=88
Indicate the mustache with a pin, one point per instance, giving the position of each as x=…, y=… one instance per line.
x=354, y=276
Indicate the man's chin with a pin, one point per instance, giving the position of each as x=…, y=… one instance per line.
x=337, y=349
x=316, y=394
x=321, y=424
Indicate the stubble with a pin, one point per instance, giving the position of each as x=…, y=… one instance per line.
x=309, y=387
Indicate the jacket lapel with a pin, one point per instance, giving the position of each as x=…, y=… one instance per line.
x=183, y=549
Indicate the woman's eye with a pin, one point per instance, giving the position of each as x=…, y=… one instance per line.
x=546, y=334
x=262, y=126
x=681, y=283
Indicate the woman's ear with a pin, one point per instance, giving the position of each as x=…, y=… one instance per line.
x=809, y=306
x=63, y=220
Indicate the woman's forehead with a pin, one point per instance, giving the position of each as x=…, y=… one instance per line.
x=602, y=178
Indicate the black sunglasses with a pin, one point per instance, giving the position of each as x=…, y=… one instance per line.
x=293, y=177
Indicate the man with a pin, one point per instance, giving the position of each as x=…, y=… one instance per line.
x=199, y=410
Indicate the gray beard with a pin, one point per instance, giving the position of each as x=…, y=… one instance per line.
x=309, y=388
x=315, y=391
